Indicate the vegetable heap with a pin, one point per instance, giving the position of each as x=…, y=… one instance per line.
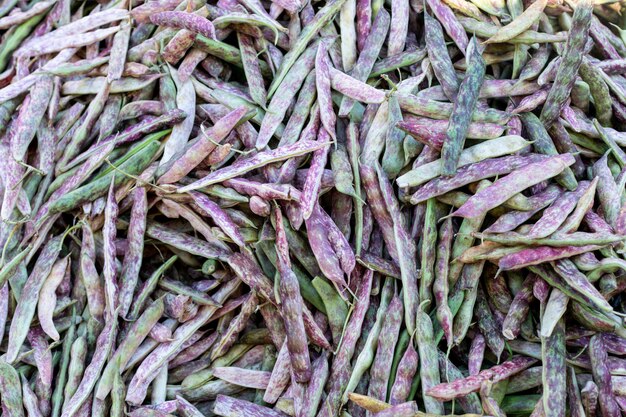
x=301, y=208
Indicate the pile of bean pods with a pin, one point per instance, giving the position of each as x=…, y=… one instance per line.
x=343, y=208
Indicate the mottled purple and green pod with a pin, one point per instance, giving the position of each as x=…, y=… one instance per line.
x=602, y=376
x=571, y=60
x=460, y=387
